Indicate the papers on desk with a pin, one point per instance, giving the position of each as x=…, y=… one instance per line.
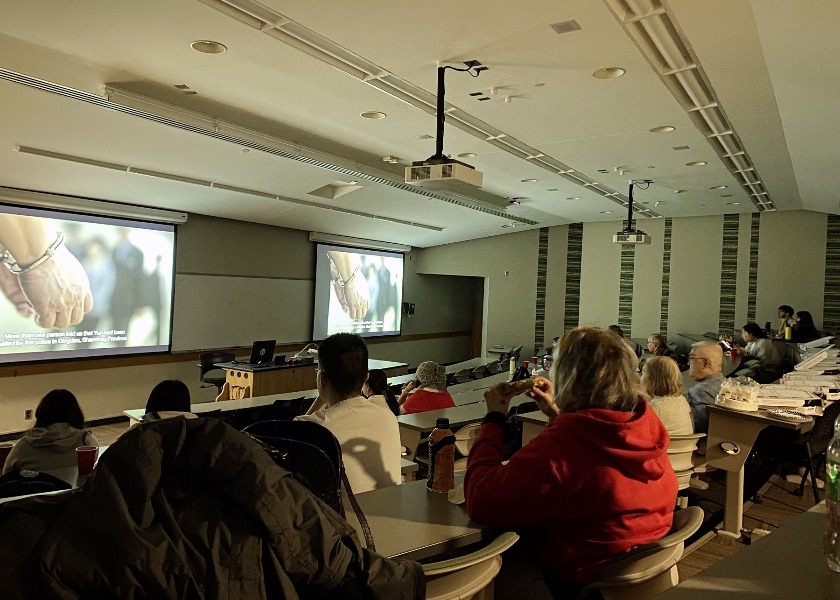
x=783, y=396
x=824, y=341
x=811, y=361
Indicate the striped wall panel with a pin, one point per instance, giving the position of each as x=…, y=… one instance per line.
x=728, y=273
x=542, y=271
x=625, y=288
x=831, y=298
x=753, y=274
x=574, y=251
x=666, y=278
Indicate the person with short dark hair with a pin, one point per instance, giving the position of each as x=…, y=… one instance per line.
x=376, y=390
x=786, y=319
x=368, y=434
x=657, y=344
x=616, y=330
x=169, y=398
x=761, y=348
x=50, y=446
x=804, y=330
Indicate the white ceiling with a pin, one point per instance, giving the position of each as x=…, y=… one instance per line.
x=773, y=69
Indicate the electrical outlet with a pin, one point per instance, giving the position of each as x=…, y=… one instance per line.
x=27, y=414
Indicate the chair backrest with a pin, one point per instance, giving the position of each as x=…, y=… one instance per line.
x=513, y=431
x=463, y=375
x=681, y=448
x=308, y=451
x=824, y=428
x=22, y=482
x=479, y=372
x=494, y=548
x=465, y=438
x=649, y=561
x=280, y=410
x=208, y=360
x=514, y=354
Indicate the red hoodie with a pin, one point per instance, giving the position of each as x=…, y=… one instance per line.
x=598, y=483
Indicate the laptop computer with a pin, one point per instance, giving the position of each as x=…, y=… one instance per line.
x=261, y=352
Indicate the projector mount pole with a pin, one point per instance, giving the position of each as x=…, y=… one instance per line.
x=472, y=66
x=634, y=183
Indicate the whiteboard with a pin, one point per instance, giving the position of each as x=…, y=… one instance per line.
x=215, y=311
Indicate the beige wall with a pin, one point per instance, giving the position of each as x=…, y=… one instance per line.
x=600, y=267
x=647, y=281
x=555, y=292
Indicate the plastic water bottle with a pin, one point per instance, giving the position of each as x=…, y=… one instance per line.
x=441, y=457
x=831, y=542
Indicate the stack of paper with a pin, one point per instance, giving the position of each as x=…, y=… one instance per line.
x=781, y=395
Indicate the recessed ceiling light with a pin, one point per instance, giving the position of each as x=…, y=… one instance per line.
x=573, y=198
x=539, y=84
x=732, y=203
x=552, y=190
x=528, y=180
x=424, y=136
x=662, y=129
x=208, y=47
x=606, y=212
x=726, y=196
x=466, y=155
x=718, y=187
x=515, y=201
x=696, y=163
x=680, y=191
x=373, y=114
x=608, y=73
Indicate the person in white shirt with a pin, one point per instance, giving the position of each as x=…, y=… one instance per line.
x=368, y=434
x=662, y=381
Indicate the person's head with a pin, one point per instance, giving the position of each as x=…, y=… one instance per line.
x=656, y=340
x=785, y=311
x=616, y=330
x=431, y=375
x=170, y=395
x=594, y=368
x=376, y=384
x=704, y=359
x=752, y=332
x=661, y=377
x=342, y=366
x=805, y=322
x=59, y=406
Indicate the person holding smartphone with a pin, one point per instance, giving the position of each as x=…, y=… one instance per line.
x=427, y=391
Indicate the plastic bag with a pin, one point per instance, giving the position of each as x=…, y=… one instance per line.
x=739, y=393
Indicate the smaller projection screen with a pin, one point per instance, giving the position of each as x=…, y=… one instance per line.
x=357, y=291
x=79, y=286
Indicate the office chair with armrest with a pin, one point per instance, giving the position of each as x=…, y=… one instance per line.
x=812, y=445
x=651, y=568
x=468, y=576
x=514, y=354
x=207, y=364
x=680, y=453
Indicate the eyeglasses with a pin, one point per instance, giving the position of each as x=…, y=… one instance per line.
x=697, y=357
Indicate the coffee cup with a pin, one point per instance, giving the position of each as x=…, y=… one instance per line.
x=86, y=458
x=733, y=353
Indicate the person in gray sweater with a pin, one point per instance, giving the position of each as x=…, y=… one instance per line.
x=705, y=361
x=50, y=446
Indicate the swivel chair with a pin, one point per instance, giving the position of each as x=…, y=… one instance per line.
x=207, y=364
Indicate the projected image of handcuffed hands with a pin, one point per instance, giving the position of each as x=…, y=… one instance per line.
x=349, y=284
x=40, y=271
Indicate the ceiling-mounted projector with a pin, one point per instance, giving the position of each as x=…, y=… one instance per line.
x=448, y=175
x=633, y=237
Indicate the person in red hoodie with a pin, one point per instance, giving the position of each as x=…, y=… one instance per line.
x=597, y=482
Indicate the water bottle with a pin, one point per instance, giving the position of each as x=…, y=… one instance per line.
x=831, y=542
x=441, y=457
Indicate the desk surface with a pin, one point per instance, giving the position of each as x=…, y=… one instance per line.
x=458, y=416
x=411, y=522
x=450, y=369
x=240, y=366
x=786, y=564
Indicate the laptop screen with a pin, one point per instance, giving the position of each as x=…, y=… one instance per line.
x=262, y=352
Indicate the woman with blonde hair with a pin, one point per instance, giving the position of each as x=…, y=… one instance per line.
x=596, y=482
x=662, y=381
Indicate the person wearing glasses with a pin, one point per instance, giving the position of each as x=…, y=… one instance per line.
x=705, y=361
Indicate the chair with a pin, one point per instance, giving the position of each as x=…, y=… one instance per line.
x=493, y=368
x=479, y=372
x=307, y=450
x=514, y=354
x=680, y=452
x=462, y=376
x=814, y=444
x=464, y=440
x=468, y=576
x=650, y=569
x=22, y=482
x=712, y=335
x=280, y=410
x=207, y=364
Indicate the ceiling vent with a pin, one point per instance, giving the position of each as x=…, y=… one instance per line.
x=680, y=147
x=565, y=26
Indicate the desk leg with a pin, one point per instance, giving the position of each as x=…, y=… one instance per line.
x=729, y=427
x=410, y=438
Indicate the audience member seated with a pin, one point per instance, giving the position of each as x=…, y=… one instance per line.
x=191, y=508
x=786, y=319
x=596, y=482
x=376, y=390
x=50, y=446
x=369, y=435
x=761, y=348
x=427, y=391
x=804, y=330
x=705, y=361
x=657, y=345
x=662, y=381
x=633, y=345
x=169, y=398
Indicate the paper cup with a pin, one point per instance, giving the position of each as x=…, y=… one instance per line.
x=85, y=458
x=733, y=353
x=5, y=448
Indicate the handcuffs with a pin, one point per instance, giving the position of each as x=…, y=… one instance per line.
x=7, y=259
